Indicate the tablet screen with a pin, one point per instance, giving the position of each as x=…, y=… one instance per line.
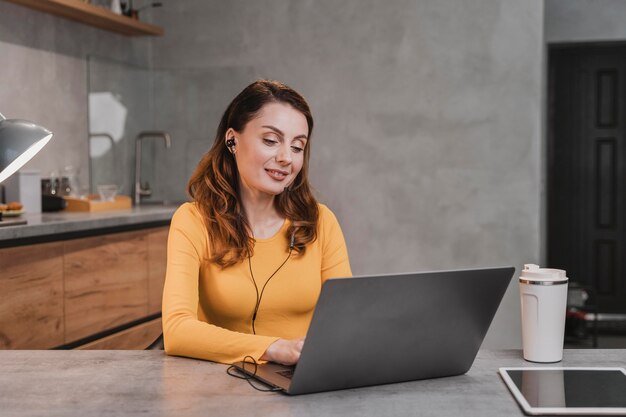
x=597, y=388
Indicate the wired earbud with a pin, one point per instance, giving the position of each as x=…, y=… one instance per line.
x=230, y=144
x=292, y=244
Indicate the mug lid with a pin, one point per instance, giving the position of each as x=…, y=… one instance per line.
x=535, y=273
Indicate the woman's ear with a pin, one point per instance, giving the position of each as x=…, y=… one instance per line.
x=231, y=143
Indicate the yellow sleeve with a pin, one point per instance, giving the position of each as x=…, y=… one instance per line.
x=335, y=262
x=184, y=334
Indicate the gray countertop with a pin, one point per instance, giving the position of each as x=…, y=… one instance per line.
x=56, y=223
x=129, y=383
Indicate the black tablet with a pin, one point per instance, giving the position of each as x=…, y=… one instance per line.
x=568, y=391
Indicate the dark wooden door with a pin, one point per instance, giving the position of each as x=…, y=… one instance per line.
x=586, y=156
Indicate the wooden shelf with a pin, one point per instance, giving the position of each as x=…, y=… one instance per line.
x=93, y=15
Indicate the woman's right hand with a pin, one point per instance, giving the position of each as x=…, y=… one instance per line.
x=285, y=352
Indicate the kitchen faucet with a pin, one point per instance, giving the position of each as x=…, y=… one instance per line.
x=139, y=190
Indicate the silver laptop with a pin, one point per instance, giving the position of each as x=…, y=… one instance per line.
x=382, y=329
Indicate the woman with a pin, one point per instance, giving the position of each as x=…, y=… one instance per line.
x=247, y=258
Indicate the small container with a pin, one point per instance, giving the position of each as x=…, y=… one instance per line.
x=116, y=6
x=543, y=297
x=69, y=182
x=64, y=187
x=25, y=187
x=46, y=187
x=107, y=192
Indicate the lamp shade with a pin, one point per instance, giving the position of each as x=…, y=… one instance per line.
x=20, y=140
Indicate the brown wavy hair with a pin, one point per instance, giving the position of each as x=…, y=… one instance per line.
x=214, y=185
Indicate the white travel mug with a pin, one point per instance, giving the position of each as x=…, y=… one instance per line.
x=543, y=296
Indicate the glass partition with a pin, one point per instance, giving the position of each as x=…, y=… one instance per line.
x=119, y=99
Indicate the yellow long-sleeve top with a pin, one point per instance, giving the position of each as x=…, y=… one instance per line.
x=207, y=310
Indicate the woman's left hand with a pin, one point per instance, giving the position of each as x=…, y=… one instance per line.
x=283, y=351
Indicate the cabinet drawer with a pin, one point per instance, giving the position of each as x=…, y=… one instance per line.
x=138, y=337
x=106, y=282
x=31, y=296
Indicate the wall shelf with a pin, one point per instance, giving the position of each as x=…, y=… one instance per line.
x=93, y=15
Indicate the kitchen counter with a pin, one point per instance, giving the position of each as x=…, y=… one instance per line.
x=45, y=227
x=129, y=383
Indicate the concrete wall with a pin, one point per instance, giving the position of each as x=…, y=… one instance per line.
x=428, y=118
x=428, y=113
x=585, y=20
x=43, y=78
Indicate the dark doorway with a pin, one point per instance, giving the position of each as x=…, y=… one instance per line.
x=586, y=158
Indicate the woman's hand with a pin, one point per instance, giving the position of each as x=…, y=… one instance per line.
x=285, y=352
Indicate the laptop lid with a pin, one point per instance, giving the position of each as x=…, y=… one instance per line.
x=381, y=329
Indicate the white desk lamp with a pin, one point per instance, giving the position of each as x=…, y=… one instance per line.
x=20, y=140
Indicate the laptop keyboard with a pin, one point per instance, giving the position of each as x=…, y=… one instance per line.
x=288, y=373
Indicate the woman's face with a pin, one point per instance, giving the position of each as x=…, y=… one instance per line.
x=270, y=150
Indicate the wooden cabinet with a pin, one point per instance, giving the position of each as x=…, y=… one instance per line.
x=31, y=297
x=137, y=337
x=157, y=261
x=59, y=293
x=106, y=282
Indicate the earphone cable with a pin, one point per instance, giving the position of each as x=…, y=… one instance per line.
x=232, y=369
x=259, y=297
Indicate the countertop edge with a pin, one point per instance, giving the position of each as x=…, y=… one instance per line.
x=67, y=225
